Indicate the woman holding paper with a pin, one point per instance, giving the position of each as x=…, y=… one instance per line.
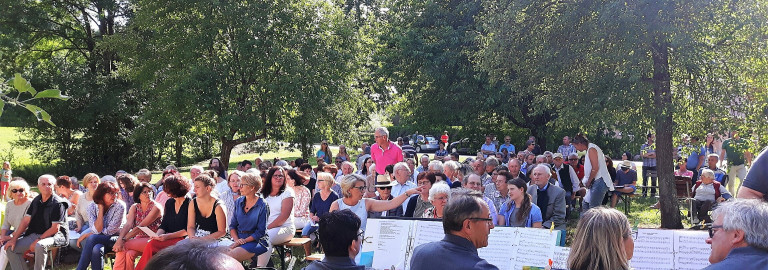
x=14, y=212
x=132, y=240
x=519, y=211
x=439, y=195
x=603, y=240
x=107, y=215
x=206, y=219
x=173, y=228
x=248, y=226
x=353, y=188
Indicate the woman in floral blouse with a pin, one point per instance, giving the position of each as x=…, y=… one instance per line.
x=303, y=196
x=144, y=213
x=106, y=216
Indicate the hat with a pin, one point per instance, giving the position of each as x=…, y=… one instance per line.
x=383, y=181
x=626, y=164
x=557, y=155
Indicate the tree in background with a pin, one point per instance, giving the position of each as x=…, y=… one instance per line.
x=244, y=71
x=618, y=64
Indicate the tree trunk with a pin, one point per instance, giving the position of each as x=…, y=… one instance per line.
x=662, y=97
x=179, y=149
x=226, y=151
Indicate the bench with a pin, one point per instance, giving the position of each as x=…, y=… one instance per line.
x=286, y=247
x=626, y=198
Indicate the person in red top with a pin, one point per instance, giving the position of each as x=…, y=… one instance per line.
x=384, y=152
x=444, y=138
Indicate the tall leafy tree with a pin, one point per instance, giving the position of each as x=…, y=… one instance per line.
x=244, y=71
x=660, y=61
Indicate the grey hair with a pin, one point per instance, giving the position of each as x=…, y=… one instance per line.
x=143, y=172
x=452, y=164
x=197, y=167
x=281, y=163
x=382, y=131
x=709, y=173
x=573, y=155
x=423, y=157
x=546, y=167
x=347, y=163
x=348, y=181
x=51, y=179
x=541, y=157
x=401, y=165
x=491, y=161
x=439, y=188
x=548, y=153
x=436, y=165
x=747, y=215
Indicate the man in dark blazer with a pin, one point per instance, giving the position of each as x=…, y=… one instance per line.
x=466, y=226
x=550, y=198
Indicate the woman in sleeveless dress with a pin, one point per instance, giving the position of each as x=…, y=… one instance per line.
x=206, y=214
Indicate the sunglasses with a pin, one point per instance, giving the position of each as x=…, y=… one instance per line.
x=17, y=190
x=712, y=230
x=383, y=188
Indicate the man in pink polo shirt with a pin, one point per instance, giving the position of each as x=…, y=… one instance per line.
x=384, y=152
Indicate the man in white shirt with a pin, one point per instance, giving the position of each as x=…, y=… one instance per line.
x=402, y=176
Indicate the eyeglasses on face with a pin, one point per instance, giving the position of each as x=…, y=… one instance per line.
x=488, y=220
x=383, y=188
x=712, y=230
x=361, y=188
x=243, y=185
x=148, y=192
x=20, y=190
x=278, y=176
x=573, y=159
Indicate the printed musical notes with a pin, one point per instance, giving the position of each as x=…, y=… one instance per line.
x=560, y=258
x=653, y=250
x=501, y=242
x=670, y=249
x=691, y=249
x=393, y=240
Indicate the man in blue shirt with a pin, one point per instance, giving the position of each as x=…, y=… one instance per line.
x=466, y=226
x=488, y=148
x=738, y=236
x=508, y=145
x=720, y=175
x=695, y=154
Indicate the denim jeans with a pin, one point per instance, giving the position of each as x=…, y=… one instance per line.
x=596, y=194
x=93, y=251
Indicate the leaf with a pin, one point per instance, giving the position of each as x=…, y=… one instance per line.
x=39, y=113
x=51, y=93
x=22, y=85
x=2, y=106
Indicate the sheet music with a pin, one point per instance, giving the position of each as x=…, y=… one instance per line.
x=691, y=250
x=501, y=245
x=428, y=232
x=560, y=258
x=653, y=250
x=393, y=241
x=534, y=248
x=149, y=232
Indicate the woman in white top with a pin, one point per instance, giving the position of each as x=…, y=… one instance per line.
x=352, y=189
x=279, y=198
x=90, y=181
x=14, y=211
x=596, y=177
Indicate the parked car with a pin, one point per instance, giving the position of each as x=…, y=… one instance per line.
x=424, y=143
x=461, y=146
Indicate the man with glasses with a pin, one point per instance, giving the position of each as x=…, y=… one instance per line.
x=384, y=152
x=738, y=235
x=573, y=160
x=403, y=181
x=466, y=226
x=43, y=227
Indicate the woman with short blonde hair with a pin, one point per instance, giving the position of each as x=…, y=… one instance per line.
x=353, y=188
x=603, y=240
x=14, y=213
